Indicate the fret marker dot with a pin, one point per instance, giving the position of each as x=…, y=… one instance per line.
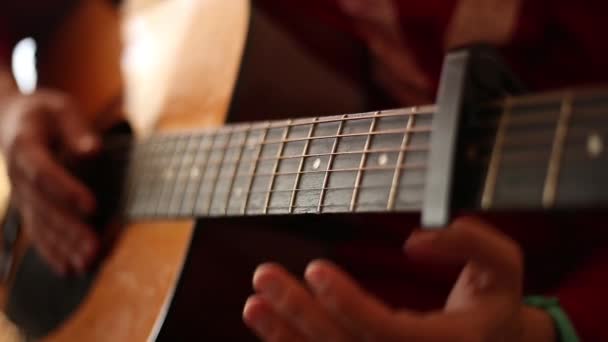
x=316, y=164
x=382, y=159
x=194, y=173
x=595, y=145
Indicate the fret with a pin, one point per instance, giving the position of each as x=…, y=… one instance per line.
x=362, y=163
x=296, y=184
x=276, y=166
x=332, y=136
x=132, y=185
x=146, y=177
x=258, y=154
x=287, y=173
x=264, y=170
x=379, y=170
x=410, y=191
x=400, y=159
x=184, y=168
x=169, y=173
x=347, y=157
x=582, y=174
x=211, y=172
x=235, y=190
x=492, y=174
x=160, y=155
x=549, y=191
x=225, y=178
x=521, y=171
x=226, y=167
x=329, y=164
x=314, y=163
x=201, y=145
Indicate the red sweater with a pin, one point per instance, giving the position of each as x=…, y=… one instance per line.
x=553, y=44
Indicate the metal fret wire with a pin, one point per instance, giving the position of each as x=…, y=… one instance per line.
x=153, y=165
x=236, y=168
x=179, y=161
x=422, y=110
x=508, y=102
x=353, y=198
x=410, y=148
x=276, y=165
x=492, y=174
x=412, y=166
x=296, y=183
x=237, y=128
x=201, y=175
x=557, y=150
x=255, y=163
x=192, y=142
x=166, y=187
x=400, y=157
x=330, y=162
x=217, y=173
x=367, y=187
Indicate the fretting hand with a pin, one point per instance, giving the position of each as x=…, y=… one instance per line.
x=484, y=304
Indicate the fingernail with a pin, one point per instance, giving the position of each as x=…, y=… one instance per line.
x=78, y=263
x=61, y=269
x=268, y=285
x=481, y=281
x=258, y=320
x=87, y=247
x=351, y=6
x=87, y=143
x=85, y=207
x=420, y=238
x=317, y=278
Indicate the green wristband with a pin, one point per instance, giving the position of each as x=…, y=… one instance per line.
x=564, y=327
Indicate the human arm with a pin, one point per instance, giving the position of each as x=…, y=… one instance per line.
x=35, y=130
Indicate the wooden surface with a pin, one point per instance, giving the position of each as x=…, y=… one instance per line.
x=134, y=286
x=179, y=62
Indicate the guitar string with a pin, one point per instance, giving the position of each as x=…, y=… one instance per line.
x=360, y=207
x=235, y=203
x=533, y=99
x=125, y=142
x=338, y=136
x=120, y=141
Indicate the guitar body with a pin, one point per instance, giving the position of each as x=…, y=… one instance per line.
x=141, y=271
x=171, y=65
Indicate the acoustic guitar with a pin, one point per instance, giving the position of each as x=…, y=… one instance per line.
x=179, y=69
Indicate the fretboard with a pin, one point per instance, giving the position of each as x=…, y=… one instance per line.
x=533, y=152
x=547, y=151
x=348, y=163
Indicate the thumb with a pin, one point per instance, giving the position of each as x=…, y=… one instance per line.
x=471, y=240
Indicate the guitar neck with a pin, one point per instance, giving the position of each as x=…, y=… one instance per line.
x=540, y=151
x=360, y=162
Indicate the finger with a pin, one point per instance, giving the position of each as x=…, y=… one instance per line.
x=362, y=314
x=39, y=169
x=295, y=304
x=44, y=244
x=74, y=132
x=470, y=239
x=74, y=239
x=267, y=324
x=404, y=92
